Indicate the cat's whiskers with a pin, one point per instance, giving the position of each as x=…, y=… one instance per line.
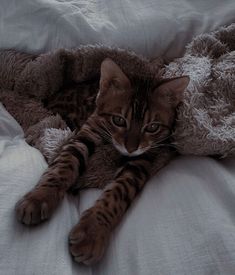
x=106, y=135
x=163, y=139
x=163, y=144
x=105, y=132
x=159, y=145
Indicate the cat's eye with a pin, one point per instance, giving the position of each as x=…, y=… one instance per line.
x=119, y=121
x=152, y=127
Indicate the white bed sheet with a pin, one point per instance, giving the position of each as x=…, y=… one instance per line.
x=150, y=27
x=183, y=223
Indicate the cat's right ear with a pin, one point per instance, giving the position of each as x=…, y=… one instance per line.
x=112, y=79
x=111, y=74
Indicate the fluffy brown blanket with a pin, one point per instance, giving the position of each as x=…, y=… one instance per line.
x=206, y=117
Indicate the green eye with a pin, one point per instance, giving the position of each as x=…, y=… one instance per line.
x=152, y=127
x=119, y=121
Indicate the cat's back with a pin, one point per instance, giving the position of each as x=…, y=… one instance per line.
x=74, y=102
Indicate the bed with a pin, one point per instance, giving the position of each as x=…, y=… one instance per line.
x=184, y=221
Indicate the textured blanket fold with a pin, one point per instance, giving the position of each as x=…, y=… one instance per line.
x=205, y=119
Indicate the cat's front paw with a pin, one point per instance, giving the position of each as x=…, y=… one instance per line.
x=35, y=207
x=88, y=239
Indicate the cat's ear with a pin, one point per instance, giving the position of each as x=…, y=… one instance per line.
x=170, y=91
x=111, y=74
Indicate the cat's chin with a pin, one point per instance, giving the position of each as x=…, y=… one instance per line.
x=121, y=149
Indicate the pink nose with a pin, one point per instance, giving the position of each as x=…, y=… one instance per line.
x=131, y=149
x=132, y=142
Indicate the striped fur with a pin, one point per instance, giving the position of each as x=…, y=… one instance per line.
x=135, y=104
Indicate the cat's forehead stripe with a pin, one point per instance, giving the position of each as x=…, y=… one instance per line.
x=139, y=109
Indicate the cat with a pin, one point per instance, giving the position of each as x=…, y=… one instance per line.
x=136, y=115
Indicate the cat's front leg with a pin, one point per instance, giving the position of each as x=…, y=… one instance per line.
x=89, y=238
x=39, y=204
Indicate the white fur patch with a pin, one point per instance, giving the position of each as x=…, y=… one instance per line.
x=124, y=151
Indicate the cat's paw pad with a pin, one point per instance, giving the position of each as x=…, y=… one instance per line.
x=32, y=209
x=88, y=240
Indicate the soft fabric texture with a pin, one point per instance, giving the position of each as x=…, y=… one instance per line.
x=183, y=222
x=206, y=119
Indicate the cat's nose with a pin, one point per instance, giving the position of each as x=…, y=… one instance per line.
x=132, y=143
x=131, y=148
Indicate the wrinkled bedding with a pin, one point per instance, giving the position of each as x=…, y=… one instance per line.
x=150, y=27
x=184, y=221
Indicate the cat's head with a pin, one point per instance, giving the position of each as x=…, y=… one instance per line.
x=138, y=114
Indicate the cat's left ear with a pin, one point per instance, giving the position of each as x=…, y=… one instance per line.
x=113, y=81
x=170, y=91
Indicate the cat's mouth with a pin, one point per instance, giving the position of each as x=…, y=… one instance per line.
x=122, y=149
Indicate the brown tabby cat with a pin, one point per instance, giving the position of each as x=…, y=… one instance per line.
x=136, y=116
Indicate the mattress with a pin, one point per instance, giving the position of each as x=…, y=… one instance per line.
x=183, y=223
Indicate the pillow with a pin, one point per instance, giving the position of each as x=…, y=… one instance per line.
x=150, y=27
